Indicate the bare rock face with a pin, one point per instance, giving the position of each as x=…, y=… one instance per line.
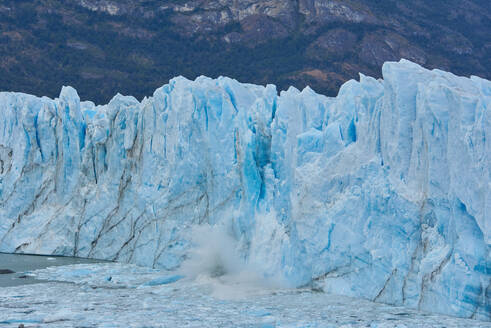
x=238, y=10
x=201, y=22
x=257, y=29
x=326, y=11
x=200, y=16
x=456, y=43
x=194, y=17
x=379, y=47
x=335, y=43
x=110, y=7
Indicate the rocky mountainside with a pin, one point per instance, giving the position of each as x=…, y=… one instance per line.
x=101, y=46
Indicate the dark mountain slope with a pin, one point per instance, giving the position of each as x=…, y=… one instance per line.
x=102, y=47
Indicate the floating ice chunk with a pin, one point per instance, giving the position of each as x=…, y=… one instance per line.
x=163, y=280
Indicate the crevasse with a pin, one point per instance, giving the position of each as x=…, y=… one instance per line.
x=383, y=192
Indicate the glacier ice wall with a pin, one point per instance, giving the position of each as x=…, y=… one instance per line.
x=383, y=192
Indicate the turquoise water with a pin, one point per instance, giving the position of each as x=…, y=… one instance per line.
x=125, y=295
x=23, y=264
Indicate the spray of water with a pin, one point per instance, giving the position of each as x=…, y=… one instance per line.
x=214, y=253
x=216, y=260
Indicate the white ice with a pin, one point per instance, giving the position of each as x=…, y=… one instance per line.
x=119, y=295
x=383, y=192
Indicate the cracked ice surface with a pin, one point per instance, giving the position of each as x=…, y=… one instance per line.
x=383, y=192
x=117, y=295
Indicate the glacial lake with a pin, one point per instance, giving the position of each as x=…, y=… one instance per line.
x=78, y=292
x=22, y=264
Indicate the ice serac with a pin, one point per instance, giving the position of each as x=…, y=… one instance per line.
x=383, y=192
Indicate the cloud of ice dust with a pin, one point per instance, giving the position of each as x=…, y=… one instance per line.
x=214, y=253
x=216, y=260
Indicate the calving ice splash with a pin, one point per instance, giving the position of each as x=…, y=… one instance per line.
x=215, y=260
x=383, y=192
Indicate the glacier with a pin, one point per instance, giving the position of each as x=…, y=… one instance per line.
x=383, y=192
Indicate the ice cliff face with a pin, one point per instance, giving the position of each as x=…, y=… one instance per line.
x=383, y=192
